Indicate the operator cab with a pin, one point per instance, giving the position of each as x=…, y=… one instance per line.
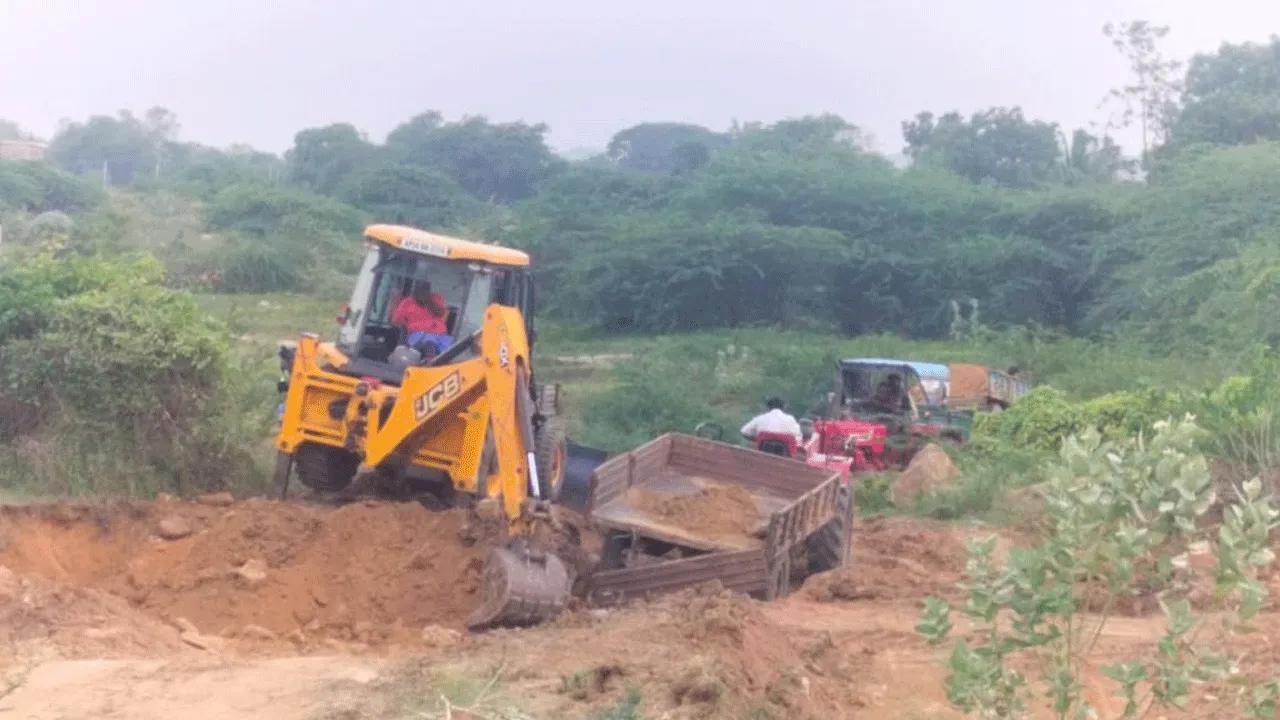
x=889, y=387
x=469, y=276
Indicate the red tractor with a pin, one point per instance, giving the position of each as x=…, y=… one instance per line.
x=848, y=446
x=869, y=428
x=889, y=409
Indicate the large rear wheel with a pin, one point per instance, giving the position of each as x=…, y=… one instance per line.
x=549, y=452
x=324, y=468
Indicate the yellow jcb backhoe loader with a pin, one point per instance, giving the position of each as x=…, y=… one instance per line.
x=468, y=422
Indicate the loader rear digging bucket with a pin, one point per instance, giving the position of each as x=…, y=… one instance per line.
x=518, y=590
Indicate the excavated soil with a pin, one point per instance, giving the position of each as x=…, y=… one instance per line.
x=101, y=617
x=929, y=469
x=77, y=622
x=969, y=382
x=894, y=559
x=715, y=511
x=369, y=574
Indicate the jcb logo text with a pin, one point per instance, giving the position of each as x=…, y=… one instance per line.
x=437, y=395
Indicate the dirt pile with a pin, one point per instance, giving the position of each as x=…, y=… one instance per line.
x=929, y=469
x=77, y=622
x=368, y=574
x=703, y=653
x=715, y=511
x=895, y=559
x=736, y=649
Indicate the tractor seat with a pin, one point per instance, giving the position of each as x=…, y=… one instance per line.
x=782, y=444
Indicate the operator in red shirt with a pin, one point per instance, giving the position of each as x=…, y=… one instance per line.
x=424, y=316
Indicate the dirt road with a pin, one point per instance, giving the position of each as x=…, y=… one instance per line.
x=260, y=609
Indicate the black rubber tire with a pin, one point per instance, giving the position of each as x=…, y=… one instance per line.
x=548, y=443
x=325, y=469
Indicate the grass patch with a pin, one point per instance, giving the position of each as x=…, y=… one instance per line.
x=418, y=689
x=987, y=479
x=269, y=318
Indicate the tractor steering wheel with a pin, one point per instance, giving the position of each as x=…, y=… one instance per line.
x=709, y=430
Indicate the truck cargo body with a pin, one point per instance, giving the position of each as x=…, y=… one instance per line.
x=980, y=387
x=805, y=519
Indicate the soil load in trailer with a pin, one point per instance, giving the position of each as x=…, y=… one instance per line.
x=680, y=511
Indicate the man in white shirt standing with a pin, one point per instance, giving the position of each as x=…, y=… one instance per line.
x=774, y=420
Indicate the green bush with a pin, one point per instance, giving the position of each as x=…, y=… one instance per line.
x=120, y=354
x=249, y=265
x=1120, y=520
x=1039, y=420
x=36, y=187
x=1128, y=413
x=263, y=211
x=126, y=378
x=1239, y=415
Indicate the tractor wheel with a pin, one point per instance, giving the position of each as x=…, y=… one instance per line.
x=324, y=468
x=549, y=453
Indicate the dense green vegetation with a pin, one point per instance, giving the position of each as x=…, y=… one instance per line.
x=732, y=263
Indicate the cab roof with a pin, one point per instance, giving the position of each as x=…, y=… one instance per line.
x=929, y=371
x=443, y=246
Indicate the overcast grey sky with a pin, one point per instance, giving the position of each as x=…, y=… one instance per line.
x=257, y=71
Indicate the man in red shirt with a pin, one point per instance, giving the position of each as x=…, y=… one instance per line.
x=424, y=316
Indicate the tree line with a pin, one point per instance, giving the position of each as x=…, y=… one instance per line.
x=793, y=224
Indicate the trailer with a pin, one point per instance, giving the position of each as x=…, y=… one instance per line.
x=796, y=519
x=982, y=388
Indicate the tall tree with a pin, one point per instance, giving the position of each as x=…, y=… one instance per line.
x=122, y=146
x=322, y=158
x=664, y=147
x=1232, y=96
x=808, y=135
x=410, y=195
x=505, y=162
x=999, y=145
x=1089, y=158
x=1151, y=98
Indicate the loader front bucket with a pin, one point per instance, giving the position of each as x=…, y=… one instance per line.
x=518, y=590
x=575, y=485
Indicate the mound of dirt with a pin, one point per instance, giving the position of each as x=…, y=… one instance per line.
x=78, y=622
x=894, y=559
x=752, y=655
x=366, y=574
x=930, y=468
x=703, y=653
x=715, y=511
